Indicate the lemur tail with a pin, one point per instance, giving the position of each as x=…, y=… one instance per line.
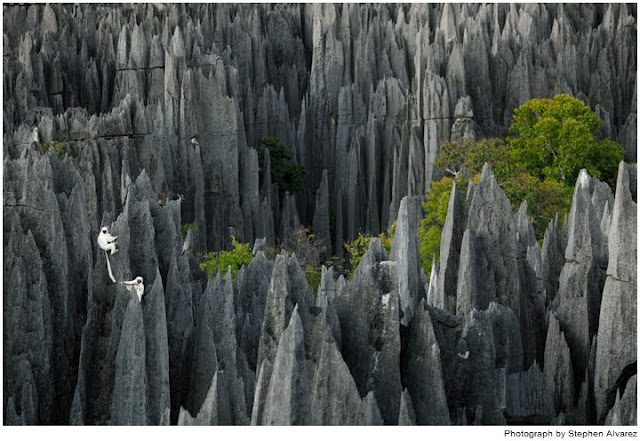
x=113, y=279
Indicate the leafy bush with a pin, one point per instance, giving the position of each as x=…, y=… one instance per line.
x=287, y=174
x=235, y=258
x=360, y=245
x=544, y=198
x=57, y=147
x=186, y=228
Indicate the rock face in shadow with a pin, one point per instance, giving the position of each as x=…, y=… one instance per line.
x=368, y=310
x=129, y=394
x=335, y=398
x=424, y=373
x=150, y=118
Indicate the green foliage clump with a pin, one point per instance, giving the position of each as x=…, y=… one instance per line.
x=555, y=138
x=235, y=258
x=185, y=229
x=57, y=147
x=545, y=197
x=287, y=174
x=360, y=245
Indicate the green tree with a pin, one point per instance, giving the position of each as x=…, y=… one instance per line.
x=287, y=174
x=555, y=138
x=235, y=258
x=545, y=197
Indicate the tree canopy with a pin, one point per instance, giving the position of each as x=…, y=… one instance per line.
x=287, y=174
x=555, y=138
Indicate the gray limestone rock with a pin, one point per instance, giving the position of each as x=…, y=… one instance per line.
x=404, y=251
x=367, y=93
x=431, y=286
x=288, y=289
x=558, y=367
x=492, y=248
x=615, y=350
x=623, y=412
x=553, y=246
x=424, y=372
x=407, y=414
x=253, y=293
x=156, y=353
x=450, y=247
x=204, y=359
x=208, y=413
x=334, y=396
x=128, y=405
x=321, y=222
x=369, y=319
x=528, y=398
x=180, y=325
x=480, y=383
x=288, y=400
x=221, y=316
x=368, y=412
x=583, y=275
x=464, y=127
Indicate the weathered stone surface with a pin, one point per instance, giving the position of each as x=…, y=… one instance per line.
x=404, y=251
x=253, y=293
x=583, y=275
x=362, y=96
x=407, y=414
x=558, y=367
x=128, y=405
x=287, y=289
x=368, y=412
x=321, y=223
x=616, y=348
x=368, y=310
x=553, y=246
x=623, y=412
x=450, y=246
x=424, y=372
x=288, y=401
x=208, y=413
x=157, y=355
x=180, y=325
x=334, y=395
x=477, y=370
x=204, y=359
x=488, y=261
x=528, y=398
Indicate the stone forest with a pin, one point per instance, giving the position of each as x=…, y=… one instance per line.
x=319, y=214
